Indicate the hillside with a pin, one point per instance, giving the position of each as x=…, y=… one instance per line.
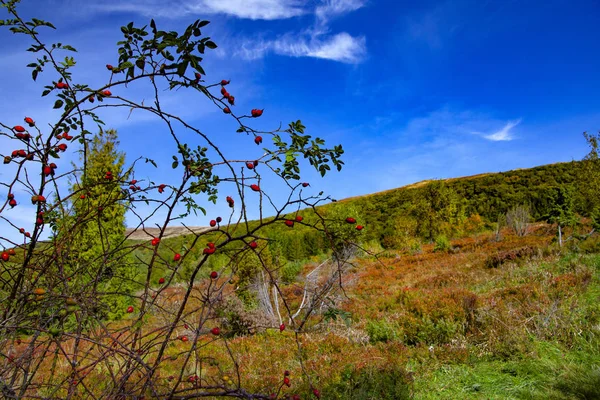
x=485, y=194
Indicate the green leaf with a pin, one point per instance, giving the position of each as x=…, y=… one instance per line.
x=58, y=104
x=140, y=63
x=125, y=65
x=211, y=45
x=175, y=164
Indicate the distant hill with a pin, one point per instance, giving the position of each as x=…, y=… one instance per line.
x=172, y=231
x=487, y=195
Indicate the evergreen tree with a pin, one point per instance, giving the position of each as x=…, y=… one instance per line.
x=100, y=209
x=561, y=201
x=98, y=219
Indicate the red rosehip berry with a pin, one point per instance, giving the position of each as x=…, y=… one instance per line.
x=286, y=381
x=256, y=113
x=305, y=184
x=161, y=188
x=250, y=165
x=5, y=256
x=213, y=223
x=215, y=331
x=18, y=128
x=109, y=67
x=47, y=170
x=299, y=218
x=317, y=393
x=231, y=100
x=224, y=92
x=359, y=227
x=210, y=245
x=155, y=241
x=177, y=257
x=281, y=327
x=253, y=244
x=258, y=140
x=226, y=110
x=130, y=309
x=350, y=220
x=208, y=251
x=255, y=187
x=29, y=121
x=161, y=281
x=286, y=373
x=289, y=222
x=214, y=275
x=12, y=203
x=62, y=147
x=224, y=82
x=107, y=93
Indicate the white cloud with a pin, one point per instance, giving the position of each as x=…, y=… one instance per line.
x=250, y=9
x=341, y=47
x=331, y=8
x=503, y=134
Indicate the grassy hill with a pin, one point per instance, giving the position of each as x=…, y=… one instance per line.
x=437, y=302
x=491, y=316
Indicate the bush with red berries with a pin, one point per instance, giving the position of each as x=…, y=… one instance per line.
x=166, y=301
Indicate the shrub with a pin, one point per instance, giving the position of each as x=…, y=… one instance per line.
x=441, y=243
x=496, y=260
x=63, y=292
x=381, y=331
x=372, y=383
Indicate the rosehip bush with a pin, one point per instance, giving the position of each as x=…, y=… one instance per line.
x=92, y=313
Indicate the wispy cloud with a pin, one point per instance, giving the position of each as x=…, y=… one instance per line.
x=341, y=47
x=316, y=41
x=503, y=134
x=332, y=8
x=249, y=9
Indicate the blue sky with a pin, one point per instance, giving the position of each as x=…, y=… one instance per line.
x=412, y=90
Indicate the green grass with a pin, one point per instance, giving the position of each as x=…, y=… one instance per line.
x=549, y=372
x=564, y=366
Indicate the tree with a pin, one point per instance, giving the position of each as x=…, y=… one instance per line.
x=590, y=174
x=561, y=204
x=55, y=293
x=438, y=210
x=99, y=190
x=518, y=219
